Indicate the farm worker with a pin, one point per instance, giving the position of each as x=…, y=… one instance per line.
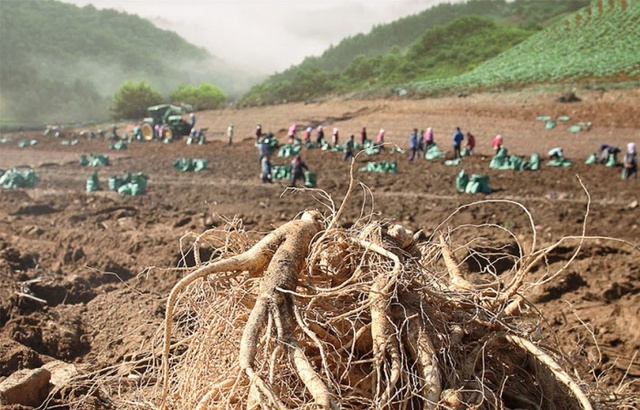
x=265, y=163
x=458, y=137
x=297, y=167
x=307, y=135
x=264, y=147
x=335, y=137
x=413, y=144
x=555, y=153
x=292, y=133
x=192, y=120
x=496, y=144
x=319, y=135
x=363, y=135
x=630, y=162
x=471, y=143
x=421, y=144
x=348, y=148
x=137, y=133
x=258, y=133
x=230, y=134
x=428, y=138
x=380, y=139
x=605, y=150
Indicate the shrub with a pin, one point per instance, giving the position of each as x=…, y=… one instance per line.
x=204, y=97
x=132, y=99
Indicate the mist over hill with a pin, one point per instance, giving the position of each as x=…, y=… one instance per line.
x=60, y=62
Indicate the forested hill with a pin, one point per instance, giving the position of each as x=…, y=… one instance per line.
x=444, y=40
x=61, y=62
x=524, y=14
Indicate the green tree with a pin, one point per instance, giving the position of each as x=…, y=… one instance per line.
x=133, y=98
x=204, y=97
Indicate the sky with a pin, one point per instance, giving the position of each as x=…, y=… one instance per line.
x=266, y=36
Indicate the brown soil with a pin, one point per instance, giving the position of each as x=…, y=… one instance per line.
x=98, y=259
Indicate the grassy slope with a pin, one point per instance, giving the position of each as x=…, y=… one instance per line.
x=599, y=42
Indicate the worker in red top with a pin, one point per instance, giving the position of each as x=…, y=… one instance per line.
x=497, y=143
x=471, y=143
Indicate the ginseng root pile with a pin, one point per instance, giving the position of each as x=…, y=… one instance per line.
x=366, y=317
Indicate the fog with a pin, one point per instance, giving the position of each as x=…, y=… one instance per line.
x=265, y=36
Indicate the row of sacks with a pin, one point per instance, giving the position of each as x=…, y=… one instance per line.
x=383, y=167
x=472, y=184
x=503, y=161
x=94, y=160
x=128, y=184
x=15, y=178
x=284, y=172
x=190, y=164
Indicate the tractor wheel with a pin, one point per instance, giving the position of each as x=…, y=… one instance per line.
x=147, y=131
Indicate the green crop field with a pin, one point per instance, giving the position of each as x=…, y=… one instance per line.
x=599, y=42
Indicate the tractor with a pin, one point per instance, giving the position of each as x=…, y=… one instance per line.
x=170, y=117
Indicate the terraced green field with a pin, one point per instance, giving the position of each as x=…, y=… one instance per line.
x=599, y=42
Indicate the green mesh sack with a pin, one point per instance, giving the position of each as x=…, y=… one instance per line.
x=309, y=179
x=371, y=150
x=200, y=164
x=534, y=162
x=137, y=186
x=434, y=153
x=83, y=160
x=281, y=171
x=611, y=161
x=289, y=150
x=559, y=162
x=98, y=160
x=93, y=184
x=114, y=183
x=183, y=164
x=118, y=145
x=516, y=162
x=499, y=160
x=15, y=178
x=461, y=181
x=592, y=159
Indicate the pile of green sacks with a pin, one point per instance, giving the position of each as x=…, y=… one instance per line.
x=95, y=160
x=289, y=150
x=128, y=184
x=472, y=184
x=190, y=164
x=119, y=145
x=382, y=167
x=434, y=153
x=14, y=178
x=612, y=160
x=502, y=161
x=284, y=172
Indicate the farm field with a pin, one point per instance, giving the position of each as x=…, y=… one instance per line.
x=102, y=261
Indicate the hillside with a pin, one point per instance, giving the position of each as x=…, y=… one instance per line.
x=599, y=43
x=443, y=41
x=64, y=62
